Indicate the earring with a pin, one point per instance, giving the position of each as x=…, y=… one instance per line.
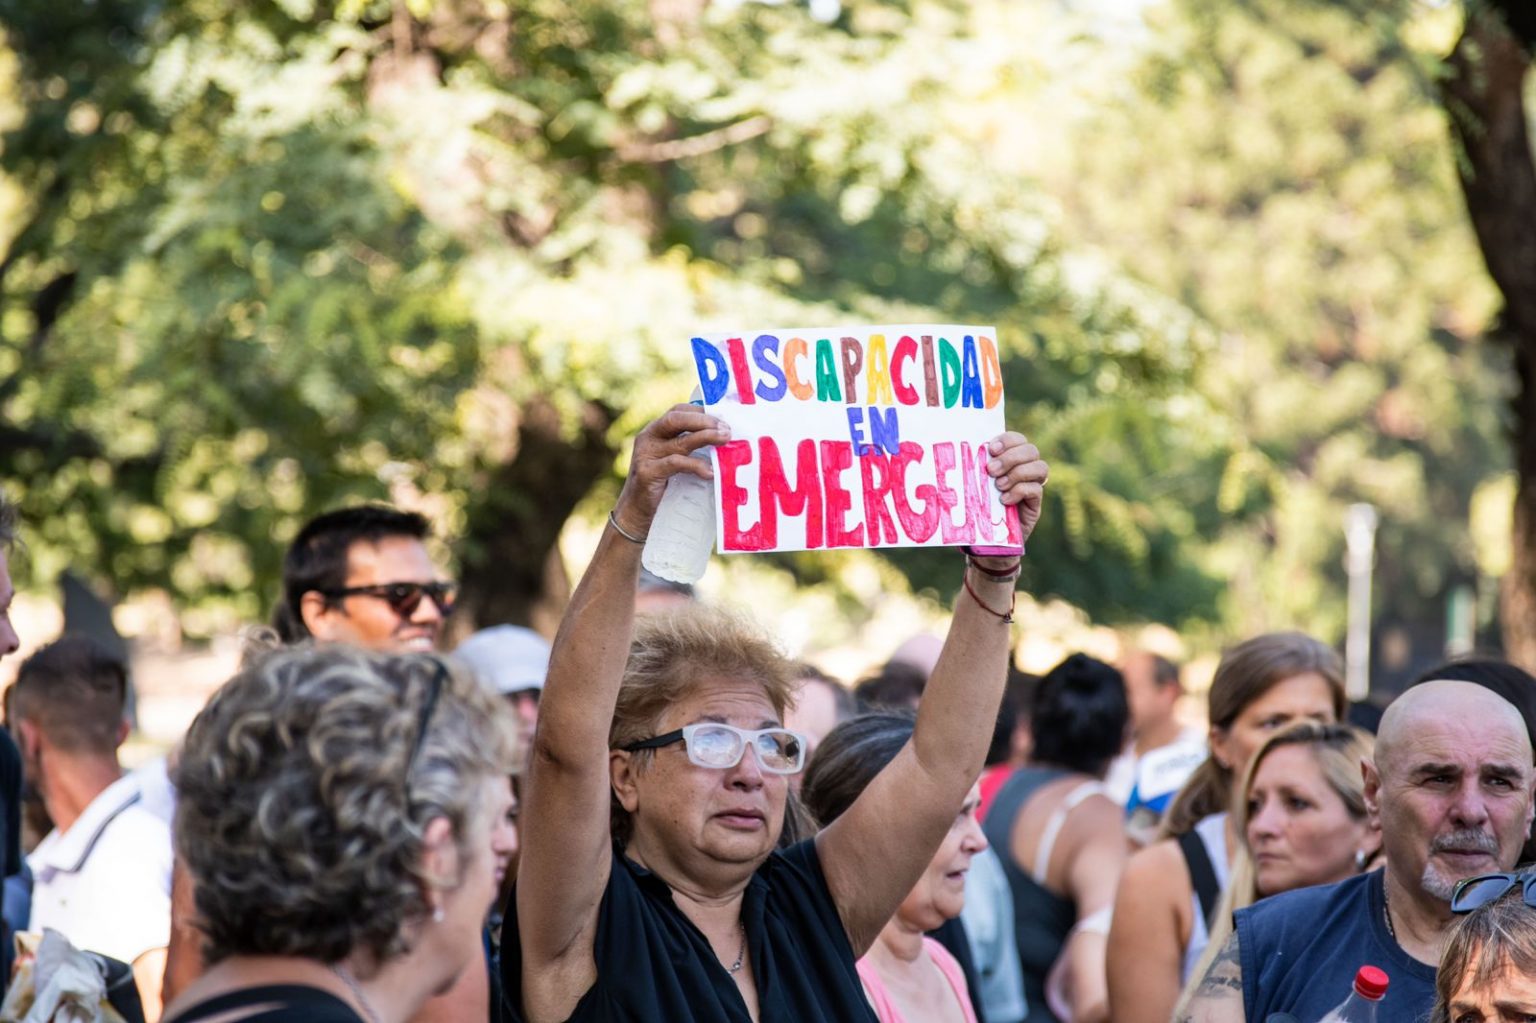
x=1360, y=861
x=437, y=914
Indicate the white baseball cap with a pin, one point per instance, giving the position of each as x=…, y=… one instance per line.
x=508, y=658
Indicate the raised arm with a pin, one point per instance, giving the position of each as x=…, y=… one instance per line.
x=921, y=790
x=565, y=860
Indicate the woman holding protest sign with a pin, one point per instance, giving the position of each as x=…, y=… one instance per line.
x=649, y=887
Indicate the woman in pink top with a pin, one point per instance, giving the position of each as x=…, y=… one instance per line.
x=909, y=977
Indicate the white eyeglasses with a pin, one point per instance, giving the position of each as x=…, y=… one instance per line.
x=720, y=746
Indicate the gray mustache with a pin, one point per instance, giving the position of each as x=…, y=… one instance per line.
x=1465, y=840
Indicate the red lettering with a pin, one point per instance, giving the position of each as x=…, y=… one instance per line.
x=875, y=474
x=978, y=514
x=777, y=495
x=918, y=524
x=836, y=456
x=739, y=370
x=730, y=457
x=943, y=462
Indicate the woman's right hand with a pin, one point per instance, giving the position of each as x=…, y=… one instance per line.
x=663, y=449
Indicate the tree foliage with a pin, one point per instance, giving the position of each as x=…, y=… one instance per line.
x=261, y=259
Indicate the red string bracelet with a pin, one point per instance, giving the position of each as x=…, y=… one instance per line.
x=1011, y=572
x=1012, y=597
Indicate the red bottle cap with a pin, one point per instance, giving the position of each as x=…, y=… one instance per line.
x=1371, y=983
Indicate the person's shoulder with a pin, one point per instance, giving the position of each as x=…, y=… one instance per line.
x=1313, y=907
x=1315, y=896
x=1154, y=862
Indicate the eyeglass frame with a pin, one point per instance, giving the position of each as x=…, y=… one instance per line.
x=1527, y=879
x=428, y=706
x=440, y=592
x=748, y=737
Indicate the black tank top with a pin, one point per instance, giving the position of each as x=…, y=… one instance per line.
x=285, y=1003
x=1042, y=919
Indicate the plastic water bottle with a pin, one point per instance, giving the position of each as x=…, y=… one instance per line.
x=682, y=534
x=1360, y=1007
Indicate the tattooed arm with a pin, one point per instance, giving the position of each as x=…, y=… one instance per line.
x=1219, y=996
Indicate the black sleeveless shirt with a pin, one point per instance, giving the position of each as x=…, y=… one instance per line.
x=286, y=1003
x=655, y=966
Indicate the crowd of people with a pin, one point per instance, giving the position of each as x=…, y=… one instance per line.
x=660, y=817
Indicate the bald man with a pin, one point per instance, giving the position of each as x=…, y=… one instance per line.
x=1451, y=783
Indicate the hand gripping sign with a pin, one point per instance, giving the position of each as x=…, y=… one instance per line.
x=856, y=437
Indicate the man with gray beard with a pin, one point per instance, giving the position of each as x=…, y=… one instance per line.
x=1451, y=784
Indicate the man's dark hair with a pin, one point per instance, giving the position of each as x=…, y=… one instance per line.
x=7, y=523
x=1018, y=694
x=1079, y=715
x=317, y=559
x=73, y=690
x=896, y=686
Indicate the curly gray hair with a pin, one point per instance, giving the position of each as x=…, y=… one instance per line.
x=305, y=788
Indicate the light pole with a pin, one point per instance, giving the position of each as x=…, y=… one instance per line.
x=1360, y=539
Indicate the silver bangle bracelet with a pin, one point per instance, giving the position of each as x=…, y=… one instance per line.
x=626, y=534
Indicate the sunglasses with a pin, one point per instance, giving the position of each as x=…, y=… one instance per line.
x=403, y=598
x=1476, y=892
x=721, y=746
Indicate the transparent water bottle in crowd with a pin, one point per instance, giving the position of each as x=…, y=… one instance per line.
x=1361, y=1005
x=682, y=535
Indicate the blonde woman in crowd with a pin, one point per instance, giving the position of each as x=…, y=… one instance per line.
x=1301, y=811
x=1171, y=889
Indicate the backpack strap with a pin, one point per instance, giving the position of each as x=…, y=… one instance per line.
x=1202, y=874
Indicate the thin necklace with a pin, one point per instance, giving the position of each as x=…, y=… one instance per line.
x=357, y=992
x=741, y=953
x=1386, y=910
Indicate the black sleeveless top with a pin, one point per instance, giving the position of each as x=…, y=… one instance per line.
x=654, y=965
x=286, y=1003
x=1041, y=919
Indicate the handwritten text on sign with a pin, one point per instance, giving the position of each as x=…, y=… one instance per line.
x=863, y=437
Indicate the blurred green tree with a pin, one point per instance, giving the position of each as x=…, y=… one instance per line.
x=1283, y=170
x=262, y=259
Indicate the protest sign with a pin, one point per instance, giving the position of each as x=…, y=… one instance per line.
x=855, y=437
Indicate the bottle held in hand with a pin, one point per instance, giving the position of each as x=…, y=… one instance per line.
x=1361, y=1005
x=682, y=534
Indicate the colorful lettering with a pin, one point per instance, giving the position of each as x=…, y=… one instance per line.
x=853, y=360
x=826, y=373
x=714, y=377
x=836, y=457
x=970, y=374
x=991, y=373
x=795, y=350
x=765, y=345
x=906, y=349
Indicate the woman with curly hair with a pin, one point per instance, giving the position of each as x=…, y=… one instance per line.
x=336, y=813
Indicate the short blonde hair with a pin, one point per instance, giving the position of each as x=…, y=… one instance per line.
x=671, y=653
x=305, y=788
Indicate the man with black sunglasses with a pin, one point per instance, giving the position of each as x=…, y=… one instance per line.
x=363, y=576
x=1451, y=784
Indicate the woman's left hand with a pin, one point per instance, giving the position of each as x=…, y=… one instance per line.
x=1019, y=474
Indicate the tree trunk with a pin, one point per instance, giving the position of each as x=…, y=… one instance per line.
x=511, y=568
x=1483, y=95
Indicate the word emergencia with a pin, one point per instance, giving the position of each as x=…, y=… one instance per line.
x=863, y=437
